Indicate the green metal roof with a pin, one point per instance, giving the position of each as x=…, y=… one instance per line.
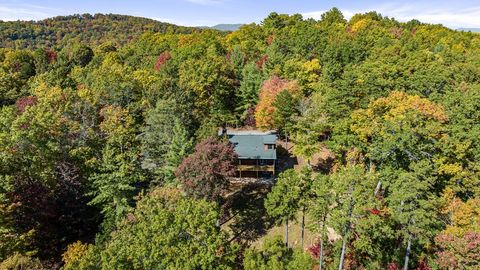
x=251, y=146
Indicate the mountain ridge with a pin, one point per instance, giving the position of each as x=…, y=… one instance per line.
x=86, y=28
x=227, y=27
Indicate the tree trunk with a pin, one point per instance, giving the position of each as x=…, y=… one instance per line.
x=342, y=255
x=286, y=141
x=377, y=188
x=407, y=253
x=346, y=231
x=286, y=233
x=322, y=237
x=321, y=254
x=303, y=227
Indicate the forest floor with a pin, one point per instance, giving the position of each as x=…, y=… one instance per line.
x=294, y=234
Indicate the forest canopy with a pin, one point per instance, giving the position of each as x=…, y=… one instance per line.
x=109, y=157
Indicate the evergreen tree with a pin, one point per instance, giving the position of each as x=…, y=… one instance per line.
x=250, y=85
x=165, y=141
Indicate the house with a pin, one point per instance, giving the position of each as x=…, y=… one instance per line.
x=256, y=152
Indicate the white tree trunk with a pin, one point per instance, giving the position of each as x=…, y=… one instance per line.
x=407, y=253
x=286, y=233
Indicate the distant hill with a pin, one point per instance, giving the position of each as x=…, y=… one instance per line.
x=85, y=28
x=476, y=30
x=227, y=27
x=223, y=27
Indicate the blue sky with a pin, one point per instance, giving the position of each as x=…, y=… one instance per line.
x=451, y=13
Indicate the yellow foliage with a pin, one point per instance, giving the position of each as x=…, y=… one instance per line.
x=116, y=120
x=464, y=216
x=360, y=25
x=89, y=95
x=74, y=252
x=399, y=103
x=451, y=169
x=396, y=107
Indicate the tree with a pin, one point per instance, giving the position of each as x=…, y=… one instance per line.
x=265, y=110
x=321, y=203
x=311, y=127
x=458, y=252
x=284, y=117
x=283, y=201
x=190, y=238
x=211, y=80
x=204, y=173
x=399, y=135
x=82, y=55
x=276, y=256
x=350, y=184
x=332, y=16
x=250, y=85
x=461, y=147
x=179, y=148
x=43, y=187
x=458, y=245
x=164, y=145
x=414, y=205
x=118, y=175
x=19, y=262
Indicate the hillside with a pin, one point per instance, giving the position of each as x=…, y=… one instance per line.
x=85, y=28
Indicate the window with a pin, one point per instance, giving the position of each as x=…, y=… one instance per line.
x=269, y=146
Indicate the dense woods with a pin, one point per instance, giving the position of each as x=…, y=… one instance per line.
x=109, y=157
x=88, y=29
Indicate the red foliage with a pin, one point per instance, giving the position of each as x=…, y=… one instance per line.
x=423, y=265
x=375, y=211
x=24, y=102
x=314, y=250
x=204, y=173
x=397, y=32
x=51, y=56
x=393, y=266
x=270, y=39
x=162, y=59
x=262, y=61
x=457, y=250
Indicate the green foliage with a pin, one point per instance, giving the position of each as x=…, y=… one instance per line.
x=247, y=94
x=189, y=237
x=19, y=262
x=289, y=194
x=276, y=256
x=98, y=111
x=286, y=111
x=118, y=169
x=82, y=55
x=61, y=30
x=165, y=141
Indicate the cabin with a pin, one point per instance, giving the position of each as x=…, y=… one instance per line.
x=256, y=150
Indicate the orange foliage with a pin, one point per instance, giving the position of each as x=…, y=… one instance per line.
x=270, y=89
